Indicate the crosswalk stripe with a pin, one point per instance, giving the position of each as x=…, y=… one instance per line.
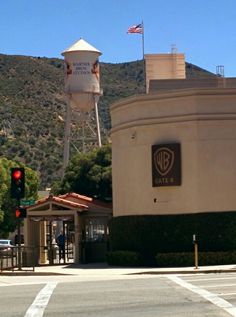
x=41, y=300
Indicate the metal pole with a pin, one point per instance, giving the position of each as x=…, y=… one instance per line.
x=96, y=98
x=196, y=255
x=66, y=153
x=144, y=64
x=51, y=260
x=19, y=239
x=19, y=244
x=195, y=251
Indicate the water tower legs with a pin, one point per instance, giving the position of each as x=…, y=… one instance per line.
x=67, y=135
x=66, y=153
x=96, y=98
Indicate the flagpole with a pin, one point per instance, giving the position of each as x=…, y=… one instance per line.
x=144, y=66
x=143, y=39
x=139, y=28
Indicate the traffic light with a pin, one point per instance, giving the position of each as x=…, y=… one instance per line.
x=18, y=182
x=20, y=212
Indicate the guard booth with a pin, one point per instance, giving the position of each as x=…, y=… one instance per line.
x=81, y=220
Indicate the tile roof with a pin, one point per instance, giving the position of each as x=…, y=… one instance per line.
x=76, y=196
x=58, y=199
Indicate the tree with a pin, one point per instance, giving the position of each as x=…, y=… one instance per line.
x=89, y=174
x=7, y=204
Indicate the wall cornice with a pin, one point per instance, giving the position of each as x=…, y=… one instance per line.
x=172, y=94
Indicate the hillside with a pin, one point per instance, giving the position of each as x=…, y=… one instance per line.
x=32, y=104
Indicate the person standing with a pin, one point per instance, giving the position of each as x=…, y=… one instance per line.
x=61, y=244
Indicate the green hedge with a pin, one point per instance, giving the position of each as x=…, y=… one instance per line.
x=187, y=259
x=124, y=258
x=181, y=259
x=149, y=235
x=175, y=259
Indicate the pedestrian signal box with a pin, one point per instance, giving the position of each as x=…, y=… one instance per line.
x=20, y=212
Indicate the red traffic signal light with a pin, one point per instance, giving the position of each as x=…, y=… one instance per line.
x=18, y=182
x=16, y=174
x=20, y=212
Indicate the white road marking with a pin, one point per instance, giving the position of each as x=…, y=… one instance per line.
x=226, y=294
x=41, y=300
x=211, y=279
x=213, y=298
x=219, y=285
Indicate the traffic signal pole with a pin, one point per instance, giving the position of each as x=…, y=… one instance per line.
x=17, y=191
x=19, y=239
x=19, y=244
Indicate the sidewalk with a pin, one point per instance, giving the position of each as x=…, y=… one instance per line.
x=106, y=270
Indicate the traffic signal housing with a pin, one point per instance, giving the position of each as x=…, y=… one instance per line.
x=18, y=182
x=20, y=212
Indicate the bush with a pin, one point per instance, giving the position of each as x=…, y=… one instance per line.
x=187, y=259
x=217, y=258
x=124, y=258
x=175, y=259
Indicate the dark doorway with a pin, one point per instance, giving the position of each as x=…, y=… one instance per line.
x=58, y=253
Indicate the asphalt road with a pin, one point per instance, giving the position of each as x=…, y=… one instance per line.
x=134, y=296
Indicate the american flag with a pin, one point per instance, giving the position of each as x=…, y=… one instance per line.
x=136, y=29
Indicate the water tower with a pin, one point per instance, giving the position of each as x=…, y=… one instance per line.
x=82, y=86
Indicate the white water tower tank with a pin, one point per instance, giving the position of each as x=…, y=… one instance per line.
x=82, y=76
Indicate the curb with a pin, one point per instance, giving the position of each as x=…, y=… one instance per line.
x=31, y=273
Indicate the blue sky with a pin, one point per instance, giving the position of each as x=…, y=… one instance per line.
x=204, y=30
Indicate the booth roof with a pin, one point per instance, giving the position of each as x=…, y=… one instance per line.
x=58, y=199
x=75, y=196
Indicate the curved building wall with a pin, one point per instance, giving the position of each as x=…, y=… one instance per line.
x=203, y=122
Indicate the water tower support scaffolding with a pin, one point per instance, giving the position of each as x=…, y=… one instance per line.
x=67, y=137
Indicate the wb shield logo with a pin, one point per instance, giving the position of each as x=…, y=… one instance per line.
x=166, y=165
x=164, y=160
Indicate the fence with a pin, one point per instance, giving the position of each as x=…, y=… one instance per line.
x=21, y=258
x=51, y=254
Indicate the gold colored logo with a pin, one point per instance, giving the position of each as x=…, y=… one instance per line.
x=164, y=160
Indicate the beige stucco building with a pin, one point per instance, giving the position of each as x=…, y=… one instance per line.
x=200, y=116
x=163, y=66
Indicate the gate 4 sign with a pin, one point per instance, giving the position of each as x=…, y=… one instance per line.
x=166, y=165
x=164, y=160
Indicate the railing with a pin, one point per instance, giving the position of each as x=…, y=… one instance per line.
x=8, y=259
x=26, y=258
x=20, y=258
x=51, y=255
